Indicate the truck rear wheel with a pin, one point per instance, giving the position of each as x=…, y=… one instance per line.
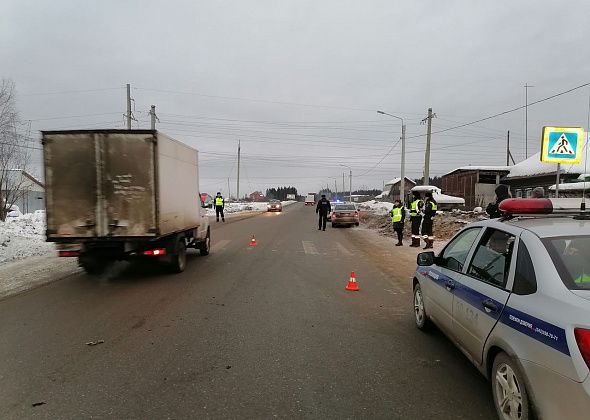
x=92, y=265
x=178, y=257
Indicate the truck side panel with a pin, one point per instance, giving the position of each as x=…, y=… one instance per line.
x=70, y=183
x=178, y=186
x=128, y=184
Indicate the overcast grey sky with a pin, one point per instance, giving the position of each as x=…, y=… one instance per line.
x=299, y=82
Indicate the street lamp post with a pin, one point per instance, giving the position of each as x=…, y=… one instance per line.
x=402, y=181
x=349, y=182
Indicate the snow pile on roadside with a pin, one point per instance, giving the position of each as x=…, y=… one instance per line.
x=446, y=224
x=23, y=237
x=378, y=207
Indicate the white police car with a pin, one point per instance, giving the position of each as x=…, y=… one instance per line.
x=514, y=296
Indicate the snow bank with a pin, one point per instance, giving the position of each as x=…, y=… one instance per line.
x=378, y=207
x=572, y=186
x=23, y=237
x=533, y=166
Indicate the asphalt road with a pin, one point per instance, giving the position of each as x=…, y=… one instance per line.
x=245, y=332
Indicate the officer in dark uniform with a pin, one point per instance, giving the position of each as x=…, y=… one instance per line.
x=430, y=207
x=416, y=218
x=493, y=209
x=398, y=216
x=323, y=208
x=219, y=206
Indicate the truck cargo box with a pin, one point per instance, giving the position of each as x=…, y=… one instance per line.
x=119, y=184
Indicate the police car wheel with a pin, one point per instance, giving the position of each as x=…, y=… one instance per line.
x=419, y=311
x=509, y=391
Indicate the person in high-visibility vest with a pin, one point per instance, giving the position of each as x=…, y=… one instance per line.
x=430, y=208
x=398, y=216
x=219, y=206
x=416, y=217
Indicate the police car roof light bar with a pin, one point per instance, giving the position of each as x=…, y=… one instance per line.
x=540, y=206
x=512, y=206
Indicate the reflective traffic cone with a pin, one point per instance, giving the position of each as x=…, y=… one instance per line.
x=253, y=240
x=352, y=286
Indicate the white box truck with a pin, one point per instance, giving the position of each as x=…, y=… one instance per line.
x=123, y=195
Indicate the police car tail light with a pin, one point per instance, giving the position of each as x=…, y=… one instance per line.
x=583, y=340
x=526, y=206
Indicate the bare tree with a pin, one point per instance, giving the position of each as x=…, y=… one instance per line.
x=14, y=152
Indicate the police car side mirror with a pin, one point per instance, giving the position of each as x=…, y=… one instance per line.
x=425, y=259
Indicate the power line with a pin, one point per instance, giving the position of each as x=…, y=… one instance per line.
x=507, y=111
x=67, y=92
x=235, y=98
x=72, y=116
x=382, y=159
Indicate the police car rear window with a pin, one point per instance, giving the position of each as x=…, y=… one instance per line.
x=571, y=256
x=345, y=207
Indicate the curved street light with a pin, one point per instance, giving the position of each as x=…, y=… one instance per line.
x=403, y=163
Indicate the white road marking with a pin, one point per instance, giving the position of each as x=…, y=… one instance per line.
x=309, y=248
x=219, y=245
x=343, y=249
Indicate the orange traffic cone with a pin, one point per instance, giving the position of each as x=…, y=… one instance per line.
x=352, y=286
x=253, y=240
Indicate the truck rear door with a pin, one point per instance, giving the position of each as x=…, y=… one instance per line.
x=100, y=184
x=71, y=181
x=128, y=183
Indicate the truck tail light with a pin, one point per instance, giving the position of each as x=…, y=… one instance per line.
x=155, y=252
x=68, y=253
x=583, y=340
x=333, y=215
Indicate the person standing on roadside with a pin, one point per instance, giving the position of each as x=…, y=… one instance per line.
x=538, y=192
x=398, y=216
x=416, y=218
x=430, y=208
x=219, y=206
x=323, y=208
x=493, y=209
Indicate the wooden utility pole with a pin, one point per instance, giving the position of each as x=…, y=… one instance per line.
x=428, y=120
x=154, y=117
x=526, y=119
x=508, y=148
x=238, y=186
x=128, y=106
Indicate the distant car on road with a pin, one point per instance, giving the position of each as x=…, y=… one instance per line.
x=344, y=214
x=514, y=296
x=274, y=205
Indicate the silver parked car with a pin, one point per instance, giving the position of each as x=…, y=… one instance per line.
x=514, y=296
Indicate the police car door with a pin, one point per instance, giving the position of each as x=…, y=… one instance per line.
x=480, y=293
x=438, y=288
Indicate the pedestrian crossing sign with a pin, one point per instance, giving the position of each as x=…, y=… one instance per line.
x=562, y=144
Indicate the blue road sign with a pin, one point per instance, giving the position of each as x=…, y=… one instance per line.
x=562, y=144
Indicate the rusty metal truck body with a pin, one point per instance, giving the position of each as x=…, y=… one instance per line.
x=121, y=194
